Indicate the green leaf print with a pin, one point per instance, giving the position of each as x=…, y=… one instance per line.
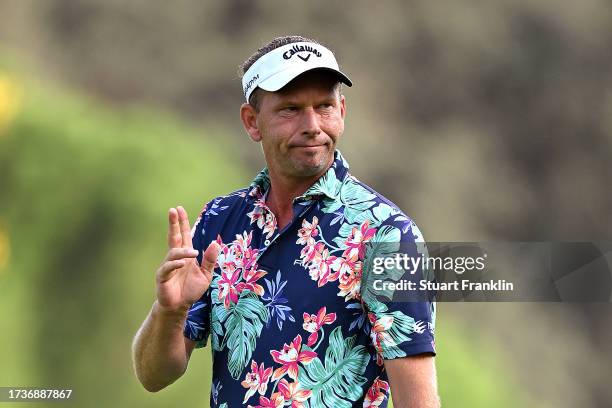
x=375, y=215
x=399, y=332
x=243, y=326
x=385, y=243
x=216, y=335
x=218, y=316
x=356, y=199
x=340, y=379
x=352, y=196
x=343, y=233
x=328, y=184
x=329, y=205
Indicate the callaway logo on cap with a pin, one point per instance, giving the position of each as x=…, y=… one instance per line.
x=277, y=68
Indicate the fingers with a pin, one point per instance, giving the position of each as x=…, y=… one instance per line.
x=184, y=227
x=181, y=253
x=176, y=259
x=179, y=231
x=164, y=272
x=174, y=232
x=209, y=259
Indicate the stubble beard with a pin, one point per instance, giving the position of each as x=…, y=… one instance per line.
x=309, y=168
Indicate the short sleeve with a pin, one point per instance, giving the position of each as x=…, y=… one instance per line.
x=400, y=326
x=197, y=325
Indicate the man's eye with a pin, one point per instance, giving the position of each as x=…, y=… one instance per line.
x=290, y=108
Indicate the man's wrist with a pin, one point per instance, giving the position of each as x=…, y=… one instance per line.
x=179, y=314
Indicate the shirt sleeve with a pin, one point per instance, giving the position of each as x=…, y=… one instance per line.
x=400, y=325
x=197, y=325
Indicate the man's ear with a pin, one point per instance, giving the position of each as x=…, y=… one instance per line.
x=342, y=106
x=248, y=115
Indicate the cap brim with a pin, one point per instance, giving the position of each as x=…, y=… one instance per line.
x=280, y=79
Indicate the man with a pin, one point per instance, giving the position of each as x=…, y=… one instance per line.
x=275, y=273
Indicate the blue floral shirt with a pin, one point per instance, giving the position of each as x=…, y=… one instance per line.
x=290, y=318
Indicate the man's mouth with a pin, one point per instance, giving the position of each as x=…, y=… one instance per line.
x=310, y=146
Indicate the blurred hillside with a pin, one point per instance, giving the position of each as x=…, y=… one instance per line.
x=502, y=108
x=482, y=120
x=84, y=193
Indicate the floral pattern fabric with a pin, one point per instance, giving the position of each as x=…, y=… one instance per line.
x=289, y=316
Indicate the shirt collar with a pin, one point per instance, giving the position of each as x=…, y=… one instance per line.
x=327, y=185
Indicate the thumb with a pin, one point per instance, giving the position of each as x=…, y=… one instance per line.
x=209, y=259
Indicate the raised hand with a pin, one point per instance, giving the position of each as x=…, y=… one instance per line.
x=180, y=280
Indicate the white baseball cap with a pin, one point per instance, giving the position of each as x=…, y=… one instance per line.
x=278, y=67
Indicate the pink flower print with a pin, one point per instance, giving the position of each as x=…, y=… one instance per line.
x=256, y=380
x=249, y=258
x=227, y=289
x=376, y=393
x=308, y=231
x=243, y=251
x=243, y=241
x=250, y=277
x=257, y=215
x=269, y=223
x=355, y=242
x=227, y=260
x=292, y=392
x=275, y=401
x=322, y=270
x=349, y=277
x=313, y=323
x=311, y=253
x=379, y=334
x=255, y=193
x=263, y=217
x=289, y=357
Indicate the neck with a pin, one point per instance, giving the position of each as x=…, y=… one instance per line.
x=283, y=191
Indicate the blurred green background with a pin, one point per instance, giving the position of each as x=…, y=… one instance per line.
x=483, y=121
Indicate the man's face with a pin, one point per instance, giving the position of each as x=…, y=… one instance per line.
x=300, y=125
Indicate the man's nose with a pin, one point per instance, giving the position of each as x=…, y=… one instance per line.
x=310, y=122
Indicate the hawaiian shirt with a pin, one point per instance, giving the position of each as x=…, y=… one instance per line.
x=290, y=320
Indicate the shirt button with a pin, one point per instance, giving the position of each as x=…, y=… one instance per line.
x=267, y=242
